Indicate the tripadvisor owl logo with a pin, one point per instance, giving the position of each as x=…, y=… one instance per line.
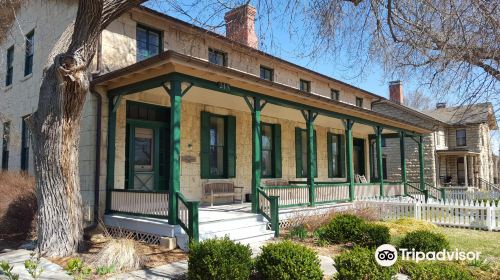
x=386, y=255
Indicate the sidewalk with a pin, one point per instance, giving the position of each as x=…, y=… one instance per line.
x=17, y=257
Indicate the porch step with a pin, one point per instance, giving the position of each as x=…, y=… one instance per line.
x=247, y=229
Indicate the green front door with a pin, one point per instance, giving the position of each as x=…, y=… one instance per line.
x=146, y=156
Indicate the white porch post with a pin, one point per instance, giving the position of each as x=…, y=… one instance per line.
x=466, y=169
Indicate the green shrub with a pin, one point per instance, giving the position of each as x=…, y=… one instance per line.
x=375, y=235
x=343, y=228
x=424, y=241
x=434, y=270
x=219, y=259
x=288, y=261
x=298, y=232
x=360, y=264
x=77, y=269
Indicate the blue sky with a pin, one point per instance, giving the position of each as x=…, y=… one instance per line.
x=278, y=41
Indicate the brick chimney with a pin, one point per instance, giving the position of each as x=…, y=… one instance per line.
x=441, y=105
x=240, y=25
x=396, y=92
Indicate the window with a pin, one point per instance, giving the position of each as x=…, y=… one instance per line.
x=218, y=146
x=383, y=142
x=359, y=101
x=384, y=168
x=271, y=150
x=335, y=94
x=266, y=73
x=25, y=145
x=217, y=57
x=30, y=50
x=305, y=85
x=149, y=42
x=10, y=66
x=5, y=145
x=461, y=137
x=336, y=155
x=301, y=155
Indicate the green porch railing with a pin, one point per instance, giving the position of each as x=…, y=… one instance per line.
x=289, y=196
x=187, y=216
x=414, y=191
x=436, y=193
x=331, y=192
x=152, y=204
x=269, y=208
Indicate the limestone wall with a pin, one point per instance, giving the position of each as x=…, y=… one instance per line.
x=119, y=50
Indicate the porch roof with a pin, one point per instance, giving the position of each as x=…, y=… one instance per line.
x=456, y=153
x=157, y=70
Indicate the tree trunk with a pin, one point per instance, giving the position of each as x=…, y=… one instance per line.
x=55, y=126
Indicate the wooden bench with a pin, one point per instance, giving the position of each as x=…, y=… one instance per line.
x=225, y=189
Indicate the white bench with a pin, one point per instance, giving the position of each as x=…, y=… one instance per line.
x=225, y=189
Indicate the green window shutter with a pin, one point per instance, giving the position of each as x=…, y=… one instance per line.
x=277, y=150
x=329, y=151
x=231, y=146
x=298, y=152
x=205, y=145
x=342, y=151
x=315, y=154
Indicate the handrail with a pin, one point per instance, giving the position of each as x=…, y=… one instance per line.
x=135, y=191
x=284, y=187
x=423, y=192
x=272, y=205
x=439, y=190
x=189, y=222
x=489, y=184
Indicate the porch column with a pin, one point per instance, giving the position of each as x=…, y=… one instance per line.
x=113, y=103
x=421, y=160
x=380, y=171
x=175, y=93
x=466, y=171
x=402, y=151
x=350, y=165
x=311, y=160
x=256, y=108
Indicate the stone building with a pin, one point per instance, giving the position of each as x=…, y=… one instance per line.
x=459, y=152
x=175, y=107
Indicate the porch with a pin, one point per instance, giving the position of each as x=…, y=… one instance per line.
x=157, y=163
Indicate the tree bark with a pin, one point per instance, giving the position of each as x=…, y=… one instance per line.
x=55, y=127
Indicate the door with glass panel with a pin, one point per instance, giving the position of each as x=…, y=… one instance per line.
x=147, y=154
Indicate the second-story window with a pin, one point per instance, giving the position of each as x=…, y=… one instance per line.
x=461, y=137
x=266, y=73
x=217, y=57
x=335, y=94
x=359, y=101
x=30, y=51
x=148, y=42
x=305, y=85
x=10, y=66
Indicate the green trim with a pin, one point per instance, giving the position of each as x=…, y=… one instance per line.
x=350, y=165
x=111, y=149
x=340, y=151
x=192, y=228
x=199, y=82
x=175, y=149
x=402, y=149
x=311, y=155
x=380, y=164
x=256, y=152
x=109, y=212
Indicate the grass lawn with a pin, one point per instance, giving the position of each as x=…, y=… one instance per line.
x=486, y=242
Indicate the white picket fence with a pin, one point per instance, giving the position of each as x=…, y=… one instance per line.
x=452, y=213
x=470, y=194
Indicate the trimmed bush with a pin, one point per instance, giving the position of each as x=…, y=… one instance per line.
x=375, y=235
x=424, y=241
x=435, y=270
x=222, y=259
x=343, y=228
x=360, y=263
x=286, y=261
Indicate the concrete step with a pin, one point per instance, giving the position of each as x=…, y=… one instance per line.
x=268, y=235
x=234, y=233
x=245, y=221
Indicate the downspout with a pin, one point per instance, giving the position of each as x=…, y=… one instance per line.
x=97, y=170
